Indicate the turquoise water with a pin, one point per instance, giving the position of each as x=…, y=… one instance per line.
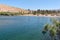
x=23, y=28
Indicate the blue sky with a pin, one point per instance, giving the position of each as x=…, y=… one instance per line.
x=33, y=4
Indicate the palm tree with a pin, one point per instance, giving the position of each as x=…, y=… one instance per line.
x=53, y=29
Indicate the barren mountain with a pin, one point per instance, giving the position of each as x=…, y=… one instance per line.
x=6, y=8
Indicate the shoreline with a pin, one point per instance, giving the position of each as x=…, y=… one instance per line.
x=36, y=15
x=41, y=15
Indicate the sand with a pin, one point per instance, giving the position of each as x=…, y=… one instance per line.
x=40, y=15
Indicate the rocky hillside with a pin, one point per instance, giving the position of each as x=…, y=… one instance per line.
x=6, y=8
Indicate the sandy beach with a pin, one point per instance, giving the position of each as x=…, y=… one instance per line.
x=40, y=15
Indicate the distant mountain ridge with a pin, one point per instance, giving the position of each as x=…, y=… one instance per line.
x=6, y=8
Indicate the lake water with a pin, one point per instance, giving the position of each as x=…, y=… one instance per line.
x=23, y=28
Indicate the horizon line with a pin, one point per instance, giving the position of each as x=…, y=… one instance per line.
x=32, y=9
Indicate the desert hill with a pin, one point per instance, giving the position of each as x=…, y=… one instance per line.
x=6, y=8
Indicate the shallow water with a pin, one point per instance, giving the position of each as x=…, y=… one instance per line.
x=23, y=28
